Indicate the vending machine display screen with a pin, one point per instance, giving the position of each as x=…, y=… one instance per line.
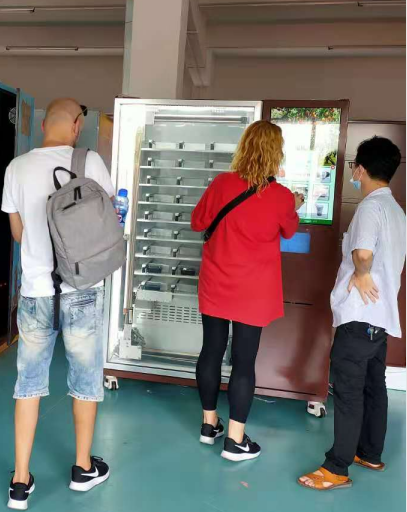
x=311, y=140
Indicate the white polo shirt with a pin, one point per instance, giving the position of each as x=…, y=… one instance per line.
x=27, y=185
x=379, y=225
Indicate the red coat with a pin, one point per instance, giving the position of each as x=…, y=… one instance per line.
x=240, y=276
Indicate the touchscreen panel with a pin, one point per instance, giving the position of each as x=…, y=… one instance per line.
x=311, y=140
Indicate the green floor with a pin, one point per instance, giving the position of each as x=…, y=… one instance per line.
x=148, y=433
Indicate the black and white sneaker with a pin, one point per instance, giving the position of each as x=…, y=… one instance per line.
x=83, y=481
x=237, y=452
x=18, y=494
x=209, y=433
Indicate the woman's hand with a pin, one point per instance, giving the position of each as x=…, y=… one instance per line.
x=299, y=200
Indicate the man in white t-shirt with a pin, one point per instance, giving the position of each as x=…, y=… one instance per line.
x=28, y=184
x=365, y=309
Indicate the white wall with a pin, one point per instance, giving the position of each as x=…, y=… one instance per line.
x=188, y=86
x=376, y=87
x=93, y=81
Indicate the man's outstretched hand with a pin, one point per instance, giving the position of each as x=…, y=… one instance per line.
x=366, y=287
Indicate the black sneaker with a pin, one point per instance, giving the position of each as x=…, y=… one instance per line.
x=83, y=481
x=18, y=494
x=244, y=451
x=209, y=433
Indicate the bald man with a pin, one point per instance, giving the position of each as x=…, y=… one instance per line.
x=28, y=184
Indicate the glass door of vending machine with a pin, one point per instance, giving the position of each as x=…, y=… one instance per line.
x=165, y=153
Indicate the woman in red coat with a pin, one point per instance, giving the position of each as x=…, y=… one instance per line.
x=240, y=278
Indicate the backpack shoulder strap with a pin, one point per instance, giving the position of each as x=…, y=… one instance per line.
x=229, y=207
x=79, y=161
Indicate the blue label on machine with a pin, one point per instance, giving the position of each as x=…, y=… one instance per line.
x=299, y=243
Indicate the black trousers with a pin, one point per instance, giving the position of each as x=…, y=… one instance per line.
x=358, y=365
x=245, y=345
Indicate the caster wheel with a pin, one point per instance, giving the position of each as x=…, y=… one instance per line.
x=111, y=383
x=316, y=409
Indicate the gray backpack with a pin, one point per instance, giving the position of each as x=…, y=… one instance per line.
x=87, y=240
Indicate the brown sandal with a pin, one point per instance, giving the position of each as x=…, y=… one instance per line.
x=368, y=465
x=337, y=481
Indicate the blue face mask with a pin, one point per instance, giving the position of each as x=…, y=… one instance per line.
x=356, y=183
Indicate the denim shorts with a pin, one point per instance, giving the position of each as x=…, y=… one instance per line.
x=81, y=320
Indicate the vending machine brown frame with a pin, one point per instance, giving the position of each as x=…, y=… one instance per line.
x=293, y=361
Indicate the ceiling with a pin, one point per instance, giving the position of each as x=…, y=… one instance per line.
x=90, y=16
x=313, y=52
x=108, y=12
x=273, y=12
x=55, y=13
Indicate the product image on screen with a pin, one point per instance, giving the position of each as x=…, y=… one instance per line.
x=311, y=139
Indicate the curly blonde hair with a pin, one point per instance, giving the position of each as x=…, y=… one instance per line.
x=259, y=154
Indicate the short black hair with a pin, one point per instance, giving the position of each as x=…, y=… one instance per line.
x=380, y=157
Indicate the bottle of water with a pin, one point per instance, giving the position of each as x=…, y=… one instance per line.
x=121, y=205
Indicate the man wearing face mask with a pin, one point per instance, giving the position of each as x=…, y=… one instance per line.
x=28, y=184
x=365, y=310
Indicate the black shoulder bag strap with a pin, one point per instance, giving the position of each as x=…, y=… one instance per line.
x=231, y=206
x=56, y=281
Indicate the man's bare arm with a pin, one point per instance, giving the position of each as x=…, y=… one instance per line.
x=361, y=279
x=363, y=260
x=16, y=226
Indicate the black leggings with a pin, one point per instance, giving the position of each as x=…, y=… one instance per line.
x=245, y=345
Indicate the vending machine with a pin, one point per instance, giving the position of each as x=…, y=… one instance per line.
x=293, y=361
x=166, y=153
